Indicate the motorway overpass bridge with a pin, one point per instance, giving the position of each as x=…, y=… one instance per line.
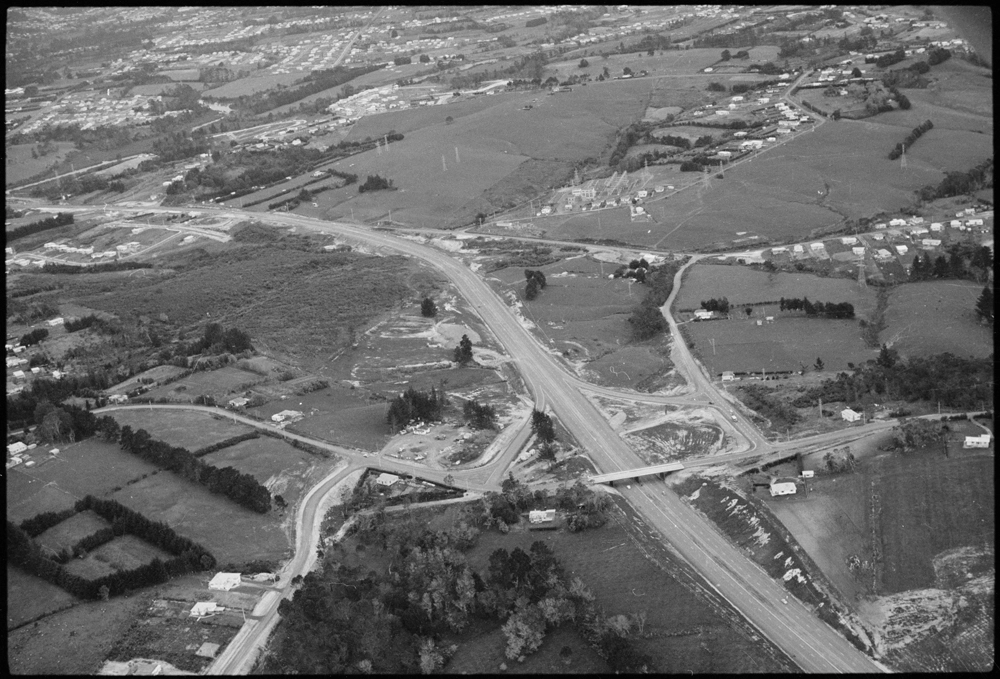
x=659, y=471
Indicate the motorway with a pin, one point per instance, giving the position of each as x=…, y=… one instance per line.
x=812, y=645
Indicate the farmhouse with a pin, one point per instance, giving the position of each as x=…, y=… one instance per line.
x=225, y=581
x=702, y=315
x=118, y=398
x=541, y=515
x=290, y=415
x=386, y=480
x=849, y=415
x=782, y=486
x=16, y=447
x=982, y=441
x=848, y=240
x=728, y=376
x=239, y=402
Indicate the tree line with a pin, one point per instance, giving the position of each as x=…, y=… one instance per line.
x=60, y=219
x=828, y=309
x=917, y=132
x=979, y=257
x=102, y=267
x=965, y=383
x=243, y=489
x=957, y=183
x=24, y=552
x=375, y=183
x=721, y=305
x=646, y=319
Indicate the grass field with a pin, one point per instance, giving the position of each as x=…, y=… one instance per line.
x=190, y=430
x=785, y=344
x=343, y=419
x=276, y=464
x=29, y=597
x=72, y=530
x=215, y=383
x=19, y=165
x=124, y=553
x=253, y=84
x=930, y=504
x=230, y=532
x=28, y=495
x=954, y=329
x=670, y=442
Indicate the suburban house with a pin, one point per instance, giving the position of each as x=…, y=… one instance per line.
x=16, y=447
x=849, y=415
x=782, y=486
x=225, y=581
x=883, y=254
x=981, y=441
x=848, y=240
x=203, y=608
x=118, y=398
x=901, y=249
x=859, y=251
x=930, y=242
x=728, y=376
x=386, y=480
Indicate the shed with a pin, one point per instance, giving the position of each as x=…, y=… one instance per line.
x=225, y=581
x=386, y=480
x=849, y=415
x=782, y=486
x=981, y=441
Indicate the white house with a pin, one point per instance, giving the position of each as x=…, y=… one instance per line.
x=901, y=249
x=916, y=220
x=117, y=398
x=919, y=231
x=386, y=480
x=897, y=222
x=239, y=402
x=930, y=242
x=782, y=486
x=936, y=226
x=974, y=222
x=702, y=315
x=286, y=415
x=816, y=246
x=541, y=515
x=849, y=415
x=203, y=608
x=880, y=225
x=859, y=251
x=56, y=321
x=848, y=240
x=981, y=441
x=16, y=447
x=225, y=581
x=882, y=253
x=954, y=223
x=798, y=249
x=728, y=376
x=779, y=249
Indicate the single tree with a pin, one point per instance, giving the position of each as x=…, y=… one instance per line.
x=819, y=364
x=531, y=289
x=726, y=56
x=463, y=352
x=428, y=308
x=541, y=426
x=984, y=306
x=584, y=63
x=856, y=72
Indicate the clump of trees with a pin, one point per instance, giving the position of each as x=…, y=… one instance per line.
x=428, y=309
x=964, y=260
x=646, y=320
x=984, y=306
x=917, y=132
x=375, y=183
x=721, y=305
x=34, y=336
x=480, y=415
x=413, y=405
x=535, y=283
x=760, y=400
x=218, y=340
x=960, y=183
x=912, y=434
x=60, y=219
x=542, y=427
x=827, y=309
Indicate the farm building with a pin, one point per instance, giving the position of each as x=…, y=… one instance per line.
x=982, y=441
x=225, y=581
x=386, y=480
x=286, y=415
x=849, y=415
x=782, y=486
x=16, y=447
x=541, y=515
x=205, y=608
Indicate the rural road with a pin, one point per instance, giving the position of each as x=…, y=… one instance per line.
x=812, y=645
